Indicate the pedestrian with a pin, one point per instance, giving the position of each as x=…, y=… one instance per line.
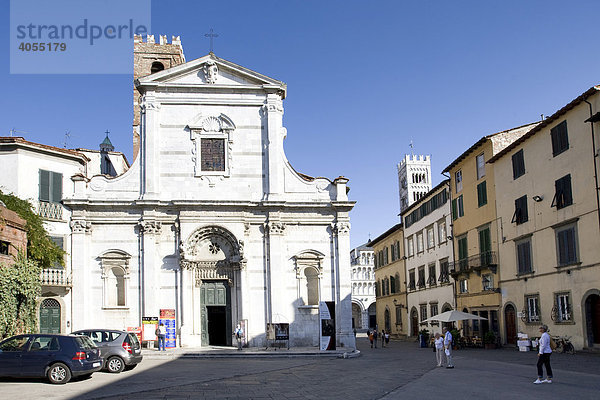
x=382, y=338
x=387, y=337
x=448, y=347
x=439, y=349
x=545, y=350
x=370, y=333
x=375, y=334
x=239, y=334
x=161, y=332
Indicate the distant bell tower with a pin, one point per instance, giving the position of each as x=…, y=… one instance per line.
x=414, y=178
x=150, y=57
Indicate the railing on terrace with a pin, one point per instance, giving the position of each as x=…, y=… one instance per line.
x=48, y=210
x=55, y=277
x=489, y=259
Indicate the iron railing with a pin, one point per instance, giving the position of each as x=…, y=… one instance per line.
x=489, y=259
x=48, y=210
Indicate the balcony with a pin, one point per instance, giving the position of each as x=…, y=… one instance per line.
x=56, y=277
x=476, y=263
x=51, y=211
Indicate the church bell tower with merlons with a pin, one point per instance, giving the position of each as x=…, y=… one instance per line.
x=150, y=57
x=414, y=178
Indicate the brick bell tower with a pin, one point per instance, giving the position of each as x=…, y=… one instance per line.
x=150, y=57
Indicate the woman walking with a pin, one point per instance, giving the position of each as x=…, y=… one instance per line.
x=544, y=357
x=439, y=349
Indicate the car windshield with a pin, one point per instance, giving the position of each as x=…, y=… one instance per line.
x=85, y=342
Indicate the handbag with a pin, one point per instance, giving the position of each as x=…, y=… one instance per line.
x=447, y=352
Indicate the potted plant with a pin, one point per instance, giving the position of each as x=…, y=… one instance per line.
x=424, y=337
x=455, y=338
x=490, y=340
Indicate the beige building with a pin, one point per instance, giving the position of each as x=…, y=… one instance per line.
x=549, y=210
x=428, y=255
x=477, y=230
x=390, y=286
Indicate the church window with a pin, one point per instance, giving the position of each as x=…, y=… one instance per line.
x=308, y=272
x=213, y=154
x=312, y=286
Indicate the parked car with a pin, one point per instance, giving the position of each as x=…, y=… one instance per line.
x=57, y=357
x=120, y=350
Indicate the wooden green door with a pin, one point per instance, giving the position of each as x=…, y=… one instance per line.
x=50, y=316
x=215, y=313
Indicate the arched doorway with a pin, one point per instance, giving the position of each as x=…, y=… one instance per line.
x=215, y=258
x=414, y=322
x=592, y=314
x=372, y=316
x=510, y=320
x=356, y=316
x=50, y=316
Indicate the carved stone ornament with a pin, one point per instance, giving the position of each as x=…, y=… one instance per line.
x=276, y=228
x=79, y=226
x=150, y=227
x=211, y=72
x=274, y=107
x=341, y=228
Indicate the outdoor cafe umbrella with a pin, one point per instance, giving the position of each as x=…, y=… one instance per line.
x=452, y=316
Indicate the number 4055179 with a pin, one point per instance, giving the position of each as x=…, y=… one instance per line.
x=26, y=46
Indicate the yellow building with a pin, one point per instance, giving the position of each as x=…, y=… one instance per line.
x=549, y=207
x=390, y=286
x=476, y=230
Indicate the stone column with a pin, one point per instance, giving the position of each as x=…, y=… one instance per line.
x=273, y=112
x=343, y=285
x=150, y=139
x=275, y=268
x=81, y=266
x=149, y=231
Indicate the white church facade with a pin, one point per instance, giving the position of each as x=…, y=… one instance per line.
x=211, y=220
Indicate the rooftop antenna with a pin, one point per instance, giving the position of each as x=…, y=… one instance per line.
x=13, y=131
x=211, y=35
x=67, y=138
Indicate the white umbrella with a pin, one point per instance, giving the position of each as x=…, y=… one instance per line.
x=453, y=315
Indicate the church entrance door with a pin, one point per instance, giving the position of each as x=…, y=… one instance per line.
x=215, y=297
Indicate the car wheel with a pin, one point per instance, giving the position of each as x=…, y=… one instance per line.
x=59, y=373
x=130, y=367
x=114, y=365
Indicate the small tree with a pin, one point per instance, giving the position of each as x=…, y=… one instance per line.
x=20, y=287
x=40, y=248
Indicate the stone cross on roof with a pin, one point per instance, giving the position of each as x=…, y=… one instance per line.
x=211, y=35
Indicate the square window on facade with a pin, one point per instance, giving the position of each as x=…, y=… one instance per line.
x=480, y=166
x=432, y=280
x=563, y=307
x=487, y=282
x=442, y=237
x=212, y=154
x=533, y=308
x=458, y=181
x=419, y=242
x=560, y=138
x=566, y=244
x=463, y=286
x=411, y=279
x=433, y=307
x=518, y=164
x=444, y=271
x=411, y=247
x=50, y=186
x=398, y=315
x=421, y=281
x=520, y=214
x=423, y=308
x=524, y=264
x=563, y=196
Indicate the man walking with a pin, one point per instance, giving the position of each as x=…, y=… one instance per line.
x=448, y=347
x=239, y=334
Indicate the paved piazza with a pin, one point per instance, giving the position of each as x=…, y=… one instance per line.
x=400, y=371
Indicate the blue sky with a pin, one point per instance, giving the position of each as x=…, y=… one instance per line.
x=364, y=79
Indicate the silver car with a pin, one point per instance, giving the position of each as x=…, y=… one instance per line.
x=120, y=350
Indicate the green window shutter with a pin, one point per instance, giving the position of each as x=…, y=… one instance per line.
x=461, y=209
x=44, y=185
x=454, y=216
x=56, y=187
x=481, y=194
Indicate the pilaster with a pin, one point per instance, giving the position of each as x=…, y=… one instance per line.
x=81, y=231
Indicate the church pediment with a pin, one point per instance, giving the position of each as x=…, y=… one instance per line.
x=210, y=70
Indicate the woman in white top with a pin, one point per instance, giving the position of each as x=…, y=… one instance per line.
x=544, y=357
x=439, y=349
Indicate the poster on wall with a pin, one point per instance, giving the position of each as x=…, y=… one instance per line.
x=327, y=325
x=167, y=318
x=149, y=325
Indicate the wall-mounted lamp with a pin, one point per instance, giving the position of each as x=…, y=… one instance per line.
x=449, y=237
x=537, y=199
x=395, y=301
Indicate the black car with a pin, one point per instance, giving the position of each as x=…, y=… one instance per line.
x=119, y=349
x=58, y=357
